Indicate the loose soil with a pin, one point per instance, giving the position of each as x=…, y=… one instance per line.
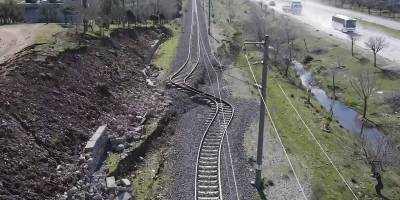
x=13, y=38
x=51, y=105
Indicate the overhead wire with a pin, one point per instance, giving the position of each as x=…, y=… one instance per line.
x=276, y=131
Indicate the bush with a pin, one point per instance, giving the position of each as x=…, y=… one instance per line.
x=9, y=12
x=307, y=59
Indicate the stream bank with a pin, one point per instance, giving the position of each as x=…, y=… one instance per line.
x=347, y=117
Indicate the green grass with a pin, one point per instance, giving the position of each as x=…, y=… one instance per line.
x=309, y=162
x=167, y=50
x=379, y=112
x=375, y=12
x=112, y=162
x=146, y=183
x=55, y=38
x=392, y=32
x=46, y=33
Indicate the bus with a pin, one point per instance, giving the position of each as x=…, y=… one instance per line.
x=294, y=7
x=344, y=23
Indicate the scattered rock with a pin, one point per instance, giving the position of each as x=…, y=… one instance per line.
x=144, y=72
x=150, y=83
x=110, y=181
x=124, y=196
x=118, y=141
x=119, y=148
x=136, y=137
x=125, y=182
x=138, y=129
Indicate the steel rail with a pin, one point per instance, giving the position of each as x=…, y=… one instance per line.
x=217, y=106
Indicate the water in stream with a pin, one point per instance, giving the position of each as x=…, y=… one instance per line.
x=346, y=116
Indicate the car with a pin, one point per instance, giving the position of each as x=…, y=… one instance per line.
x=272, y=3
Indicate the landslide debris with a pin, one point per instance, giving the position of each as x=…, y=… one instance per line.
x=50, y=106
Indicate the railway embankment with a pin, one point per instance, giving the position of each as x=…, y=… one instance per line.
x=51, y=104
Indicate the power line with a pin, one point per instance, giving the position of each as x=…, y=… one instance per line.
x=319, y=144
x=276, y=131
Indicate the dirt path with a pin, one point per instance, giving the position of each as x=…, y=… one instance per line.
x=14, y=38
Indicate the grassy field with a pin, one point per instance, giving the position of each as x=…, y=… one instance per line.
x=47, y=32
x=392, y=32
x=310, y=163
x=373, y=12
x=326, y=51
x=167, y=50
x=55, y=37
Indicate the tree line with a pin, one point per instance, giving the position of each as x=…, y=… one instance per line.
x=390, y=6
x=9, y=12
x=127, y=12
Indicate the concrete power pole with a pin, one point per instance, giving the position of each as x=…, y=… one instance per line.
x=262, y=113
x=209, y=17
x=263, y=86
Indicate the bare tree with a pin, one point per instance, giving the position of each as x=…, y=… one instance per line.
x=376, y=44
x=231, y=11
x=259, y=25
x=277, y=41
x=377, y=156
x=290, y=36
x=353, y=39
x=288, y=57
x=333, y=73
x=364, y=84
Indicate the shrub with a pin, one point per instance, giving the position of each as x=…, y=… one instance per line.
x=307, y=59
x=9, y=12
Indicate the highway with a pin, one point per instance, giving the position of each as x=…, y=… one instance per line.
x=319, y=17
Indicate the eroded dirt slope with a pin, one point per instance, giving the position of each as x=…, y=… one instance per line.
x=50, y=106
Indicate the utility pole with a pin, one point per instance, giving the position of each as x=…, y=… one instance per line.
x=209, y=17
x=263, y=87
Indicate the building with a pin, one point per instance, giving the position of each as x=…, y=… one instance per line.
x=54, y=11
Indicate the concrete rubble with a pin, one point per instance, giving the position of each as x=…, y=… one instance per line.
x=94, y=182
x=110, y=181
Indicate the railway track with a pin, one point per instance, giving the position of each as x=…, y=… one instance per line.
x=208, y=184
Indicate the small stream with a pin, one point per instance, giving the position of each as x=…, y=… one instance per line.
x=346, y=116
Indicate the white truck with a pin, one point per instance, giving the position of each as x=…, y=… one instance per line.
x=293, y=6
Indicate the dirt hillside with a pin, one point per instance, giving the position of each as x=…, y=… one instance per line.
x=50, y=106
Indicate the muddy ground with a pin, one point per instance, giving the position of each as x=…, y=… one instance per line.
x=50, y=106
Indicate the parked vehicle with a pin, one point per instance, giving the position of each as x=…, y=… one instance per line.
x=272, y=3
x=344, y=23
x=294, y=7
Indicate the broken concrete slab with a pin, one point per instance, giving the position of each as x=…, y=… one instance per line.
x=125, y=182
x=150, y=83
x=95, y=147
x=124, y=196
x=110, y=182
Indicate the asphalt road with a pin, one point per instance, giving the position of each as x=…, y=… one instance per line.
x=319, y=16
